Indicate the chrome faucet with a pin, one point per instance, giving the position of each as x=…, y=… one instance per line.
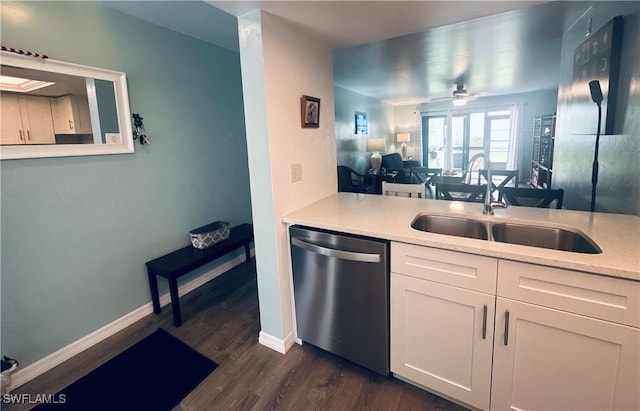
x=488, y=203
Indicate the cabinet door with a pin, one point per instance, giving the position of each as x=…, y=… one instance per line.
x=64, y=115
x=11, y=120
x=83, y=125
x=71, y=115
x=554, y=360
x=37, y=120
x=441, y=338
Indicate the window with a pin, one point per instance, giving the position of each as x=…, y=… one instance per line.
x=451, y=139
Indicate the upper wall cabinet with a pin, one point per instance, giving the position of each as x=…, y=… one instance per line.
x=71, y=115
x=26, y=120
x=57, y=109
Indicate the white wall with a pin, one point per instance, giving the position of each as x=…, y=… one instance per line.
x=280, y=63
x=407, y=120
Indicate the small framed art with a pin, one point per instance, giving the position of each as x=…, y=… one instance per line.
x=310, y=115
x=362, y=124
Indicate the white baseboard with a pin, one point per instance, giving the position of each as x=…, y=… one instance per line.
x=24, y=375
x=277, y=344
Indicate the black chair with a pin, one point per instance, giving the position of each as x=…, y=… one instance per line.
x=460, y=192
x=427, y=176
x=394, y=167
x=410, y=163
x=508, y=177
x=351, y=181
x=532, y=197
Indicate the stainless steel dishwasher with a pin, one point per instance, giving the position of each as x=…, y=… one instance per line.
x=341, y=289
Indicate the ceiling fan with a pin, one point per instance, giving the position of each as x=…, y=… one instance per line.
x=460, y=96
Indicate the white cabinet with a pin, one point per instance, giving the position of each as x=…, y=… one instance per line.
x=442, y=335
x=571, y=342
x=442, y=338
x=562, y=339
x=554, y=360
x=71, y=115
x=26, y=120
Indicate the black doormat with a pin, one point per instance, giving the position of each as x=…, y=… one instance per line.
x=156, y=373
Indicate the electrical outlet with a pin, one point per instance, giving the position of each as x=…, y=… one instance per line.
x=296, y=172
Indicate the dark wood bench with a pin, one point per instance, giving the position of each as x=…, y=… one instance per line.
x=178, y=263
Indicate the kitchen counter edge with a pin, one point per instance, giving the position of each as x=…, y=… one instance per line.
x=390, y=218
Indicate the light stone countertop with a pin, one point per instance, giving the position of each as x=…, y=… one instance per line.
x=390, y=218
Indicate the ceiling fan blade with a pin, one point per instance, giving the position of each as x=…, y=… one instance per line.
x=478, y=94
x=432, y=100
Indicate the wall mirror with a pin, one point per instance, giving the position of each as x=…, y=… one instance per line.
x=53, y=108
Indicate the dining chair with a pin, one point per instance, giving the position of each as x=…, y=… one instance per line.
x=426, y=175
x=403, y=190
x=532, y=197
x=460, y=192
x=509, y=177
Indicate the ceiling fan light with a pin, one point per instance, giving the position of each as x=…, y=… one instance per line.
x=459, y=102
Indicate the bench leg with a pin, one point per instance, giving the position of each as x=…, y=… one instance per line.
x=175, y=302
x=153, y=286
x=247, y=252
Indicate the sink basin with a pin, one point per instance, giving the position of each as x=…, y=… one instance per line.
x=458, y=226
x=544, y=237
x=553, y=238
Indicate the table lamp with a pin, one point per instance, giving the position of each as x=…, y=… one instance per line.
x=403, y=138
x=375, y=146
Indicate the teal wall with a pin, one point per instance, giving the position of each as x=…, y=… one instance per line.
x=351, y=146
x=251, y=44
x=76, y=232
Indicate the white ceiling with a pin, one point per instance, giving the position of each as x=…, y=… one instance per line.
x=349, y=23
x=495, y=47
x=512, y=52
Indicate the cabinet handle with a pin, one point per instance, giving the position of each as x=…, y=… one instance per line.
x=484, y=322
x=70, y=125
x=28, y=135
x=506, y=327
x=20, y=134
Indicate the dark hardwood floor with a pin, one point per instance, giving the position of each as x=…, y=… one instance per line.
x=221, y=321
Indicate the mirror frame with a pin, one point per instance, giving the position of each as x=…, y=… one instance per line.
x=119, y=80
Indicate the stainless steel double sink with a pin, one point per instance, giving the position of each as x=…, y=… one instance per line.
x=553, y=238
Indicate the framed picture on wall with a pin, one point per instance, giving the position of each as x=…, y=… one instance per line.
x=597, y=58
x=310, y=114
x=362, y=124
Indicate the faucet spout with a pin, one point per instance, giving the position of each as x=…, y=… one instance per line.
x=488, y=207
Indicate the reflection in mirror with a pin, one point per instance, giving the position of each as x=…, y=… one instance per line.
x=54, y=109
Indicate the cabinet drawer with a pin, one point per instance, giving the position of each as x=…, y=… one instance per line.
x=595, y=296
x=469, y=271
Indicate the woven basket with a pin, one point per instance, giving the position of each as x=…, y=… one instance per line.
x=208, y=235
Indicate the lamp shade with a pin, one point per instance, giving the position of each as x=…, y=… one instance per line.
x=376, y=144
x=403, y=137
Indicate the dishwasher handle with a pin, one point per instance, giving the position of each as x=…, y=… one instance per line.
x=331, y=252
